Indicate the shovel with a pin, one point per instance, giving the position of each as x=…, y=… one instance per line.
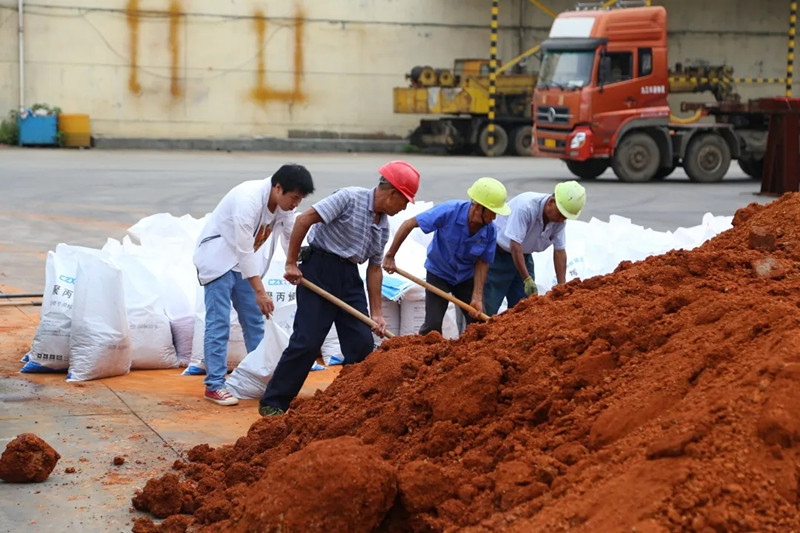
x=339, y=303
x=439, y=292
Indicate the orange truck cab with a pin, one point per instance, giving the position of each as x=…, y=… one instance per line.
x=601, y=100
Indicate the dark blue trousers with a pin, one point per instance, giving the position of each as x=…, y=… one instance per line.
x=436, y=306
x=313, y=321
x=503, y=281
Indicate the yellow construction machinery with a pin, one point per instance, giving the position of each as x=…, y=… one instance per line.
x=462, y=94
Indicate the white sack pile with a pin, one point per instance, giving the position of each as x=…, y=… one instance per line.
x=137, y=303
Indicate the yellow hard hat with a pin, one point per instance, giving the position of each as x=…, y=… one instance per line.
x=491, y=194
x=570, y=198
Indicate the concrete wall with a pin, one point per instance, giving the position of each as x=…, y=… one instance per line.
x=247, y=68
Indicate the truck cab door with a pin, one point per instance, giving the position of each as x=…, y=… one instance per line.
x=616, y=95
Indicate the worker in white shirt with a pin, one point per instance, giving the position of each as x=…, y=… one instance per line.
x=536, y=222
x=230, y=264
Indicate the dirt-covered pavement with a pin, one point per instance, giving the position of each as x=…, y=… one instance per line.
x=149, y=418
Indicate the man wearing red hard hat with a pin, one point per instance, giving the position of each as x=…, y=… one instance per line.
x=347, y=228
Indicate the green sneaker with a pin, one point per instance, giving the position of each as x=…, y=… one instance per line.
x=268, y=410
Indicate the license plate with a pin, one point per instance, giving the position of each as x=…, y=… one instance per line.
x=550, y=143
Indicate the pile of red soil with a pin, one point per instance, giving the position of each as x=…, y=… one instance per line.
x=662, y=397
x=27, y=459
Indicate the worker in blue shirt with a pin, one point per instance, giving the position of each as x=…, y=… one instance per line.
x=347, y=228
x=463, y=246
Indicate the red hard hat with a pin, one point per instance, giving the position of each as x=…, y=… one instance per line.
x=403, y=176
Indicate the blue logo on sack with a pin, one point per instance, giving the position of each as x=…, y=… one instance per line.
x=67, y=279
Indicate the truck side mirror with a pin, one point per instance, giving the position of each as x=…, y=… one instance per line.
x=604, y=74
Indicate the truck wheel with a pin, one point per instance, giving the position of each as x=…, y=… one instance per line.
x=521, y=139
x=500, y=141
x=636, y=158
x=589, y=169
x=707, y=158
x=752, y=167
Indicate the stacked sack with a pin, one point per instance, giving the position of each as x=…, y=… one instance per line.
x=136, y=304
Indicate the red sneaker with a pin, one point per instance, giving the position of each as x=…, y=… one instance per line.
x=221, y=397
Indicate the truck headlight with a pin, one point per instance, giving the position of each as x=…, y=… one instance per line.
x=578, y=140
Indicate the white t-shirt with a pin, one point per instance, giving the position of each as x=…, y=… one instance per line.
x=236, y=231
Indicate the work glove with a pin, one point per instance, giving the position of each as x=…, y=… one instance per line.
x=530, y=286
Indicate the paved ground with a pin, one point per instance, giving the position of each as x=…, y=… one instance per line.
x=84, y=197
x=150, y=418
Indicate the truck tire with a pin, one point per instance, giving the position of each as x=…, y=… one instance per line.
x=707, y=158
x=752, y=167
x=589, y=169
x=521, y=140
x=500, y=141
x=636, y=158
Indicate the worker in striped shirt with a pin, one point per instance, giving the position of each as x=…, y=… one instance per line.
x=347, y=228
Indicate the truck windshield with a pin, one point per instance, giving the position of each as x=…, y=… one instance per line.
x=566, y=69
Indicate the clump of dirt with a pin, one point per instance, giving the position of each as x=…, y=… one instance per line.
x=174, y=524
x=304, y=503
x=118, y=460
x=662, y=397
x=164, y=497
x=27, y=459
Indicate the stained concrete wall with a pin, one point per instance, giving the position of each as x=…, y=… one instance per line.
x=247, y=68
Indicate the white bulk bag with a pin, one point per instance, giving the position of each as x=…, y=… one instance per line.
x=99, y=344
x=182, y=338
x=391, y=314
x=151, y=334
x=50, y=348
x=412, y=316
x=250, y=378
x=452, y=323
x=331, y=351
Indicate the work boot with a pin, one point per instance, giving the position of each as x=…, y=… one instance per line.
x=268, y=410
x=221, y=397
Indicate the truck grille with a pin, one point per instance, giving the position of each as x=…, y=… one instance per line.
x=552, y=114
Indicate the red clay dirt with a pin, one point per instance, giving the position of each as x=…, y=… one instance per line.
x=27, y=459
x=662, y=397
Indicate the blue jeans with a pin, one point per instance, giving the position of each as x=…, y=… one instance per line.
x=313, y=321
x=219, y=294
x=503, y=281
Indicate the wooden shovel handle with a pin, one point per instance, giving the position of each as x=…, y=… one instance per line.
x=439, y=292
x=339, y=303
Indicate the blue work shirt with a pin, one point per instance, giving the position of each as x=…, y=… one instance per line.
x=453, y=252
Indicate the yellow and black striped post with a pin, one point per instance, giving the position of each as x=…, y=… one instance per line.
x=492, y=76
x=790, y=51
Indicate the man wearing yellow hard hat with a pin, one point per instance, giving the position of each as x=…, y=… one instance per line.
x=463, y=247
x=536, y=222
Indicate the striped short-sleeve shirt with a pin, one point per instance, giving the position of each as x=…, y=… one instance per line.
x=348, y=227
